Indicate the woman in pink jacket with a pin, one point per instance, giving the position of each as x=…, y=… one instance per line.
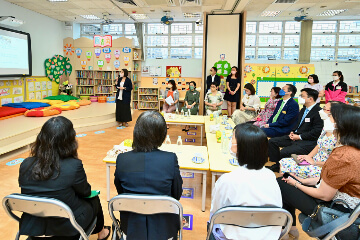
x=336, y=90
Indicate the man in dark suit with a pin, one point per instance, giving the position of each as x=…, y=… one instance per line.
x=213, y=77
x=285, y=115
x=304, y=136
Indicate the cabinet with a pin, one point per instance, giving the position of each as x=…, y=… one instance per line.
x=94, y=83
x=148, y=99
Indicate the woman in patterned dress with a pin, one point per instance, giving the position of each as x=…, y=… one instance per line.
x=269, y=108
x=213, y=100
x=317, y=157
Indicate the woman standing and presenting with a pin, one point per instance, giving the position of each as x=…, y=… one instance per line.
x=336, y=90
x=269, y=108
x=232, y=95
x=249, y=107
x=174, y=93
x=313, y=83
x=123, y=98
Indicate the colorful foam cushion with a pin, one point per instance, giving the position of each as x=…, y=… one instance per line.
x=63, y=98
x=7, y=111
x=43, y=112
x=27, y=105
x=51, y=102
x=81, y=102
x=67, y=106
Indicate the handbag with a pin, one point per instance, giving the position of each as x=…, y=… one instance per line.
x=324, y=219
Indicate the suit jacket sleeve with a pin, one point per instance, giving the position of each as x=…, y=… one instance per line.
x=217, y=80
x=315, y=130
x=81, y=186
x=291, y=112
x=176, y=187
x=128, y=85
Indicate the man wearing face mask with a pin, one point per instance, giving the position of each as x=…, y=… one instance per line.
x=285, y=114
x=213, y=77
x=303, y=138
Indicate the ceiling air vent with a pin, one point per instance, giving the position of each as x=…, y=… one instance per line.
x=190, y=2
x=127, y=2
x=285, y=1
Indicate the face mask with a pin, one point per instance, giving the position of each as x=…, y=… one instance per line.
x=329, y=126
x=192, y=87
x=233, y=72
x=121, y=74
x=323, y=115
x=282, y=93
x=301, y=100
x=169, y=86
x=231, y=152
x=335, y=78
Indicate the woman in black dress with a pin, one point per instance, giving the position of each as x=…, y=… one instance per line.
x=232, y=95
x=123, y=98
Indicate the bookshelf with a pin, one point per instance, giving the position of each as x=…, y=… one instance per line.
x=136, y=77
x=94, y=83
x=148, y=99
x=84, y=83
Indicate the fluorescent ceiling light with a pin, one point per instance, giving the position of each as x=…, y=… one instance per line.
x=139, y=16
x=192, y=15
x=270, y=13
x=90, y=17
x=329, y=13
x=57, y=0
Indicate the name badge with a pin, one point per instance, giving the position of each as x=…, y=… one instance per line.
x=307, y=119
x=284, y=112
x=194, y=93
x=338, y=87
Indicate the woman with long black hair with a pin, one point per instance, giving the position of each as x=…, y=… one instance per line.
x=123, y=98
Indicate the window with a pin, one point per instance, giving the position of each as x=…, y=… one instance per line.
x=181, y=53
x=130, y=29
x=269, y=53
x=292, y=27
x=90, y=29
x=198, y=53
x=322, y=53
x=323, y=40
x=291, y=53
x=349, y=26
x=113, y=29
x=292, y=40
x=157, y=53
x=270, y=40
x=270, y=27
x=324, y=26
x=250, y=40
x=199, y=40
x=157, y=28
x=181, y=28
x=181, y=41
x=349, y=40
x=250, y=27
x=199, y=28
x=349, y=53
x=249, y=53
x=157, y=41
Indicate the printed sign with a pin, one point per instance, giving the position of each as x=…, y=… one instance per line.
x=102, y=41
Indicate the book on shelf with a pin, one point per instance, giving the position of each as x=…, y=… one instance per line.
x=84, y=74
x=103, y=75
x=148, y=91
x=104, y=82
x=148, y=105
x=85, y=90
x=353, y=89
x=104, y=89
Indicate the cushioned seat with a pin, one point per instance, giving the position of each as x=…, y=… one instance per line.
x=43, y=112
x=7, y=112
x=81, y=102
x=63, y=98
x=27, y=105
x=67, y=106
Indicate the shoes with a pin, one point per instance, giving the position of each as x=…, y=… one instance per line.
x=274, y=168
x=185, y=130
x=108, y=228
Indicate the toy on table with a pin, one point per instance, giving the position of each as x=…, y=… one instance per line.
x=218, y=136
x=128, y=142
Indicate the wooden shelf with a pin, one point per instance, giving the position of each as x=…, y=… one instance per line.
x=149, y=101
x=148, y=94
x=136, y=70
x=85, y=85
x=104, y=93
x=149, y=108
x=85, y=94
x=136, y=59
x=102, y=79
x=105, y=85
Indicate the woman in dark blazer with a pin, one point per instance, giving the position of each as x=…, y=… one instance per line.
x=148, y=170
x=213, y=77
x=123, y=98
x=54, y=171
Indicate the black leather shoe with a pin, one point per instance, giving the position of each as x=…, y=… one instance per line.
x=274, y=168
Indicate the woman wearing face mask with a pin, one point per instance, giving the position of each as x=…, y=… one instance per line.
x=213, y=101
x=191, y=102
x=269, y=108
x=315, y=160
x=174, y=93
x=313, y=82
x=340, y=175
x=251, y=184
x=123, y=98
x=336, y=90
x=232, y=95
x=249, y=107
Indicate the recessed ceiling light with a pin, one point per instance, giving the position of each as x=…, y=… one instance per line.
x=90, y=17
x=192, y=15
x=57, y=0
x=270, y=13
x=139, y=16
x=329, y=13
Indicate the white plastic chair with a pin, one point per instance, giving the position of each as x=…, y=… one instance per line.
x=144, y=204
x=43, y=207
x=252, y=217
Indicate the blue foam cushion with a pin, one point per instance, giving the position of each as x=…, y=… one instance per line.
x=27, y=105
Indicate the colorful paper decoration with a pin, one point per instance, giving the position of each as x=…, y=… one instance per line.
x=83, y=64
x=126, y=50
x=100, y=64
x=102, y=41
x=223, y=67
x=285, y=69
x=107, y=50
x=248, y=68
x=108, y=57
x=97, y=52
x=78, y=52
x=116, y=64
x=126, y=60
x=88, y=55
x=68, y=49
x=117, y=53
x=266, y=69
x=173, y=71
x=303, y=69
x=56, y=66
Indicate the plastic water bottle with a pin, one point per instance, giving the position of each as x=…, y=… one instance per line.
x=179, y=141
x=189, y=113
x=182, y=113
x=177, y=111
x=224, y=142
x=167, y=140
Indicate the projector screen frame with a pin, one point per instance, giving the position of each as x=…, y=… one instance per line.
x=29, y=55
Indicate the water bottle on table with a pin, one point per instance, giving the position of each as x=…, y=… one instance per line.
x=224, y=142
x=167, y=140
x=179, y=141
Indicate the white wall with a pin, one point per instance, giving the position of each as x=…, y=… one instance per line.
x=47, y=34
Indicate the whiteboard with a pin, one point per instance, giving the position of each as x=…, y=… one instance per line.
x=263, y=88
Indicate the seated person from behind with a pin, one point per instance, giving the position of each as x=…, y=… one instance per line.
x=148, y=170
x=249, y=106
x=251, y=184
x=285, y=114
x=267, y=112
x=304, y=136
x=54, y=171
x=174, y=93
x=213, y=100
x=317, y=157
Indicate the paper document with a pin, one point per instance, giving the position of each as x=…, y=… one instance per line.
x=169, y=100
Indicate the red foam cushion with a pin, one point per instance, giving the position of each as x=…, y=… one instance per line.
x=7, y=111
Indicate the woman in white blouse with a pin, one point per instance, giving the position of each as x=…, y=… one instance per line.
x=251, y=184
x=249, y=106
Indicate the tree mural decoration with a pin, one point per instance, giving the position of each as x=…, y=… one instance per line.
x=56, y=67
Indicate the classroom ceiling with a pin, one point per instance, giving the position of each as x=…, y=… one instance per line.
x=71, y=10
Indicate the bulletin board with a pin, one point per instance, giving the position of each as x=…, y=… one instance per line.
x=12, y=91
x=40, y=87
